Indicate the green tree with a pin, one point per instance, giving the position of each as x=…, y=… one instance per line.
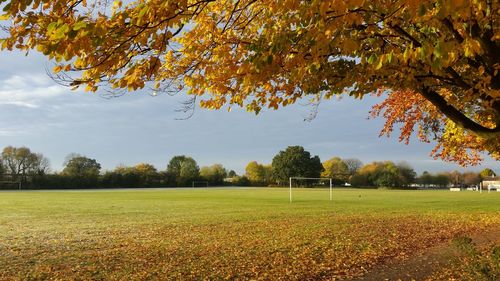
x=214, y=174
x=80, y=171
x=174, y=165
x=183, y=169
x=407, y=174
x=241, y=181
x=294, y=161
x=387, y=175
x=122, y=176
x=336, y=169
x=231, y=174
x=81, y=166
x=425, y=179
x=441, y=180
x=384, y=174
x=429, y=180
x=268, y=173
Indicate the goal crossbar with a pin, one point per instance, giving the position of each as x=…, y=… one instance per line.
x=304, y=178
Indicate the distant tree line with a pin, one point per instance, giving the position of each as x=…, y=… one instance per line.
x=32, y=170
x=454, y=178
x=296, y=162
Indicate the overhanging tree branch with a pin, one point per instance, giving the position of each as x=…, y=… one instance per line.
x=457, y=116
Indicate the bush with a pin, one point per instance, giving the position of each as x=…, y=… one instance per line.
x=241, y=181
x=59, y=181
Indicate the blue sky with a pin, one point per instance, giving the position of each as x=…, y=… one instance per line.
x=51, y=119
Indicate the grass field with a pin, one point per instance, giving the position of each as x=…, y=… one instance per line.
x=231, y=233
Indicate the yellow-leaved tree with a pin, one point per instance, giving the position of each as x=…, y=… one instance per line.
x=436, y=63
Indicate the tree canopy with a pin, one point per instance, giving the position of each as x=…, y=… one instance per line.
x=21, y=161
x=486, y=173
x=437, y=180
x=258, y=173
x=214, y=174
x=336, y=169
x=353, y=165
x=385, y=174
x=436, y=63
x=294, y=161
x=81, y=166
x=184, y=169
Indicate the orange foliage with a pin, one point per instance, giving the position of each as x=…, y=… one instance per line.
x=443, y=56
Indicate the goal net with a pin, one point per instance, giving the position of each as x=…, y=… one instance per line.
x=310, y=182
x=200, y=184
x=9, y=182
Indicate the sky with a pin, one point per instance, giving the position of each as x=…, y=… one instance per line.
x=137, y=127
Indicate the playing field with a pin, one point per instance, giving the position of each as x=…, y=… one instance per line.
x=228, y=233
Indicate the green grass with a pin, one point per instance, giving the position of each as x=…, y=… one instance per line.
x=221, y=232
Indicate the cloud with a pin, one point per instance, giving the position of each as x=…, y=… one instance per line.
x=29, y=90
x=9, y=133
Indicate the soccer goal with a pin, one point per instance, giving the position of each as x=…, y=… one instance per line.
x=10, y=182
x=200, y=184
x=316, y=179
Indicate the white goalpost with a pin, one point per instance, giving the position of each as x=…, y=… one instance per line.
x=301, y=178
